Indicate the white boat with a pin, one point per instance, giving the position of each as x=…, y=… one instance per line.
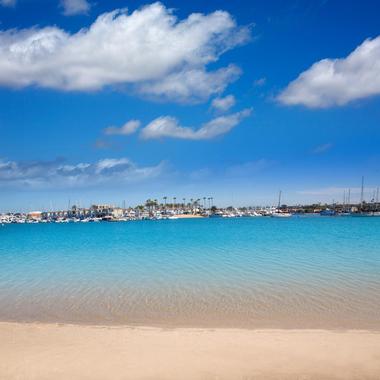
x=281, y=215
x=277, y=213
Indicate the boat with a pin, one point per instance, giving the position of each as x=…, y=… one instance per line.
x=365, y=214
x=327, y=212
x=216, y=214
x=279, y=214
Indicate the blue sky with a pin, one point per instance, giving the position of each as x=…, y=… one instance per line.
x=234, y=100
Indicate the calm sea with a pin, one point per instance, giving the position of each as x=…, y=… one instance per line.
x=305, y=272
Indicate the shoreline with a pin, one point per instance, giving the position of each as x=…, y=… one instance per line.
x=190, y=216
x=172, y=327
x=43, y=351
x=192, y=327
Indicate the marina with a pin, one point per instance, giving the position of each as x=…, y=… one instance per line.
x=189, y=190
x=155, y=211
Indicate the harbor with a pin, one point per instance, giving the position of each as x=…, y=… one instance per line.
x=116, y=214
x=204, y=207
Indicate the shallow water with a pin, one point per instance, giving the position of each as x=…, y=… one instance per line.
x=306, y=272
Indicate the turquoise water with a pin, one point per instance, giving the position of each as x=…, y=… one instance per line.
x=306, y=272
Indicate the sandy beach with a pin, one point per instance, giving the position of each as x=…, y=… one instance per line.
x=189, y=216
x=51, y=351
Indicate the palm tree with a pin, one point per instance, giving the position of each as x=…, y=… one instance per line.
x=174, y=202
x=165, y=198
x=204, y=202
x=147, y=204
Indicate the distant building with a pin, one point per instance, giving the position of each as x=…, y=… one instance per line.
x=34, y=215
x=100, y=211
x=117, y=212
x=79, y=213
x=55, y=214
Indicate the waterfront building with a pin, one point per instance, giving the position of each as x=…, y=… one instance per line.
x=34, y=215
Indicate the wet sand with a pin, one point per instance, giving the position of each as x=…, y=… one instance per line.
x=52, y=351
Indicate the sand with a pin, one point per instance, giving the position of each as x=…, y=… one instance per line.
x=188, y=216
x=49, y=351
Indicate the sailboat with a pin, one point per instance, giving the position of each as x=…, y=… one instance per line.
x=278, y=213
x=361, y=212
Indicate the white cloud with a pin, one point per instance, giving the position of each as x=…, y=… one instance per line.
x=336, y=82
x=260, y=82
x=322, y=148
x=75, y=7
x=128, y=128
x=167, y=126
x=223, y=104
x=8, y=3
x=57, y=174
x=191, y=84
x=149, y=49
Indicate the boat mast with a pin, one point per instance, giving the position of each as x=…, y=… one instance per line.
x=362, y=193
x=279, y=199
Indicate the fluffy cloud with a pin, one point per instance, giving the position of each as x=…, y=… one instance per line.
x=149, y=49
x=8, y=3
x=167, y=126
x=128, y=128
x=75, y=7
x=191, y=84
x=223, y=104
x=58, y=174
x=335, y=82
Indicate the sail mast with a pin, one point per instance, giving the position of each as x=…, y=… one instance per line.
x=362, y=193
